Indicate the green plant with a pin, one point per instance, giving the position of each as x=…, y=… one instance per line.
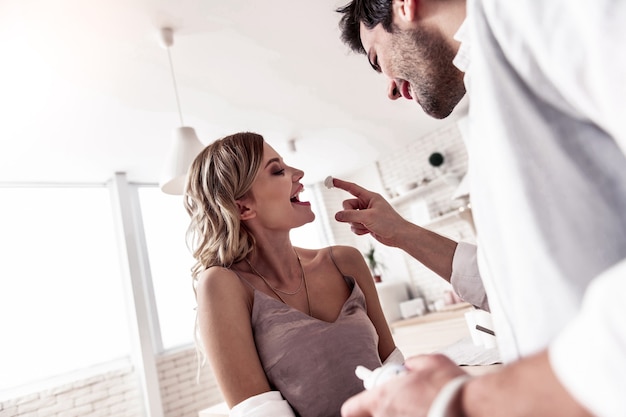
x=374, y=264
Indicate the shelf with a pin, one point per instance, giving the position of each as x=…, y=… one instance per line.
x=412, y=196
x=442, y=219
x=444, y=180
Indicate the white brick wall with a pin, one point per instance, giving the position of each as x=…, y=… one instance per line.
x=182, y=393
x=411, y=162
x=115, y=393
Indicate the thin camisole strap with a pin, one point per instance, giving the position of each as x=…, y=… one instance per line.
x=345, y=277
x=330, y=250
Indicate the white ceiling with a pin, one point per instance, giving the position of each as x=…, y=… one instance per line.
x=85, y=87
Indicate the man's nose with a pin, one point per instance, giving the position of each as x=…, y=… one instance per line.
x=393, y=90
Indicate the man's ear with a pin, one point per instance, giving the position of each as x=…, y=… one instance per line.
x=405, y=11
x=245, y=209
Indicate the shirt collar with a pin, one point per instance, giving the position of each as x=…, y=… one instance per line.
x=462, y=58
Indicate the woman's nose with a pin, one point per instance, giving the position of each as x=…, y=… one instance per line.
x=297, y=174
x=393, y=90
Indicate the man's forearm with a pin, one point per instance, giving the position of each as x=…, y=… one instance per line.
x=525, y=388
x=434, y=251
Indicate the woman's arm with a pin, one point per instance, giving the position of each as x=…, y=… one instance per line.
x=351, y=262
x=224, y=306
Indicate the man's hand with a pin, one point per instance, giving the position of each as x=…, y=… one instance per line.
x=408, y=395
x=369, y=212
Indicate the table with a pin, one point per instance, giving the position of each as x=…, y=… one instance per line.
x=440, y=331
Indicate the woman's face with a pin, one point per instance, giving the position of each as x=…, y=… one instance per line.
x=275, y=193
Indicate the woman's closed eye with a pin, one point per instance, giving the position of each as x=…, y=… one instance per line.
x=279, y=172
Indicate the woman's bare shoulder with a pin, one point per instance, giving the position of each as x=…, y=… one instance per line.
x=351, y=262
x=344, y=255
x=216, y=282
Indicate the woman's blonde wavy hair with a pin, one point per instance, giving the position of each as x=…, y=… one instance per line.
x=220, y=175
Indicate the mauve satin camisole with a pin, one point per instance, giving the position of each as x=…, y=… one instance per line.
x=310, y=361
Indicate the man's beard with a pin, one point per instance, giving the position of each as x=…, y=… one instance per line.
x=423, y=58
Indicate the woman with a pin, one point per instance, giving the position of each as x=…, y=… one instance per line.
x=283, y=328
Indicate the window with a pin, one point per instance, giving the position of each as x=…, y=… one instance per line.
x=311, y=235
x=165, y=222
x=62, y=306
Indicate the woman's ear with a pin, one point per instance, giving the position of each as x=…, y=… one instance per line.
x=405, y=11
x=246, y=212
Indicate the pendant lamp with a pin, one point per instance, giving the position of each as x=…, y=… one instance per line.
x=185, y=145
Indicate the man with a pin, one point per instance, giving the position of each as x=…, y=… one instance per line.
x=546, y=137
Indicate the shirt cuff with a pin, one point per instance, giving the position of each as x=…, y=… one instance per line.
x=266, y=404
x=465, y=279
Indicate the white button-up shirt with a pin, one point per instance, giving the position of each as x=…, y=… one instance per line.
x=546, y=139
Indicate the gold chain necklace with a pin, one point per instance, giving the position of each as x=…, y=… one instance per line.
x=276, y=290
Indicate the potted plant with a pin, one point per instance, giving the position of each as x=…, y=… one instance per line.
x=374, y=264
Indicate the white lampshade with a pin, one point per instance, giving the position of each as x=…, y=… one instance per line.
x=185, y=147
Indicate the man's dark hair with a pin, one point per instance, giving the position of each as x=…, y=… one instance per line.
x=371, y=13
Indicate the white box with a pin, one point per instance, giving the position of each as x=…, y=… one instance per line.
x=412, y=308
x=391, y=294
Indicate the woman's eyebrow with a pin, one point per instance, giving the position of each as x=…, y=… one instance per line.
x=271, y=161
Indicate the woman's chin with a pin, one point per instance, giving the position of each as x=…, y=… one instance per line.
x=310, y=219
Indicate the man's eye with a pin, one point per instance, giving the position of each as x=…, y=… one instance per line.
x=374, y=64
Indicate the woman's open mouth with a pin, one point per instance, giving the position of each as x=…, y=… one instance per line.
x=295, y=199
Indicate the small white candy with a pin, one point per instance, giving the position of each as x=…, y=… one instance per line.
x=328, y=182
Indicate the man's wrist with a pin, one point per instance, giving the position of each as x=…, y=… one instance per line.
x=446, y=402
